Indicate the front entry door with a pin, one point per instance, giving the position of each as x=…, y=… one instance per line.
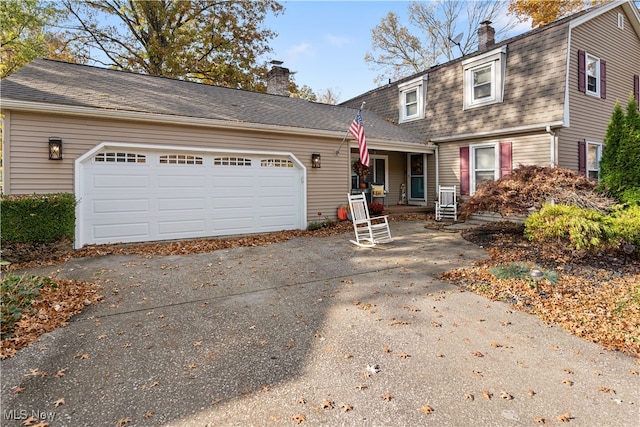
x=417, y=178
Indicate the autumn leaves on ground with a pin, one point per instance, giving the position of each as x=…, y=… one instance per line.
x=592, y=294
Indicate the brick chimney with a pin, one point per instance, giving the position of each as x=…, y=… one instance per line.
x=486, y=35
x=278, y=79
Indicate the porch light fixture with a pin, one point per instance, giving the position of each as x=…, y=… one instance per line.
x=315, y=160
x=55, y=148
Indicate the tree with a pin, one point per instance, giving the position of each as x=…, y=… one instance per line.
x=329, y=96
x=612, y=139
x=619, y=166
x=543, y=12
x=23, y=36
x=214, y=42
x=398, y=51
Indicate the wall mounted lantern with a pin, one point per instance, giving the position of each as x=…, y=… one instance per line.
x=315, y=160
x=55, y=148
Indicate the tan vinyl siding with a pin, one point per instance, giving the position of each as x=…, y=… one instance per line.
x=589, y=116
x=531, y=149
x=32, y=172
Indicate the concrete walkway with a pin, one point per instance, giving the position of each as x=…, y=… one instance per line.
x=313, y=331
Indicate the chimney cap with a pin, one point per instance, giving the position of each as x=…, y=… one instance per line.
x=276, y=62
x=485, y=22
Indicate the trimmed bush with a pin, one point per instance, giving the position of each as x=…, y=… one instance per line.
x=625, y=225
x=43, y=218
x=581, y=228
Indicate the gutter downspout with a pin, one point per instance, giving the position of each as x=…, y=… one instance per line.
x=437, y=172
x=553, y=135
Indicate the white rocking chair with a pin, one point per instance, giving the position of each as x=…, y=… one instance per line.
x=369, y=231
x=447, y=204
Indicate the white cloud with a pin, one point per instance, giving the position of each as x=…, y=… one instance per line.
x=300, y=50
x=337, y=41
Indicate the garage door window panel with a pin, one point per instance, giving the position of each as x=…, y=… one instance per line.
x=119, y=158
x=276, y=163
x=231, y=161
x=180, y=159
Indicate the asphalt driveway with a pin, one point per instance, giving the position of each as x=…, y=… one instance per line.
x=312, y=331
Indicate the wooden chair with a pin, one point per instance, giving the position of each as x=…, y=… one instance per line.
x=447, y=204
x=369, y=231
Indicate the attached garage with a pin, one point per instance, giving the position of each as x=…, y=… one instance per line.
x=136, y=193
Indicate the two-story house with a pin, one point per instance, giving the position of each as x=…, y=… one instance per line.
x=544, y=97
x=151, y=158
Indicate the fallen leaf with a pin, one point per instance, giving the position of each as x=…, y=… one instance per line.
x=29, y=421
x=327, y=404
x=565, y=418
x=148, y=414
x=505, y=395
x=346, y=407
x=478, y=354
x=386, y=349
x=298, y=419
x=426, y=409
x=469, y=396
x=478, y=373
x=302, y=401
x=387, y=397
x=568, y=371
x=361, y=387
x=540, y=420
x=487, y=394
x=59, y=402
x=41, y=424
x=60, y=373
x=496, y=344
x=567, y=382
x=17, y=389
x=531, y=392
x=197, y=343
x=374, y=369
x=436, y=325
x=606, y=390
x=123, y=421
x=403, y=356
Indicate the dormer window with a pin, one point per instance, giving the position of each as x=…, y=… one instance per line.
x=412, y=99
x=484, y=78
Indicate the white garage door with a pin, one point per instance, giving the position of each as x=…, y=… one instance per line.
x=135, y=195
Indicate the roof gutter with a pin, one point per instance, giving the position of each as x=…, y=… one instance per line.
x=538, y=127
x=39, y=107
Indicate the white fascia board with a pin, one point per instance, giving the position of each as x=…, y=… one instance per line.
x=499, y=132
x=603, y=9
x=397, y=146
x=38, y=107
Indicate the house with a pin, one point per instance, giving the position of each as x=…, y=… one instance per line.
x=544, y=97
x=151, y=158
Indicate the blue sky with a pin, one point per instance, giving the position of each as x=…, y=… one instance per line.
x=324, y=42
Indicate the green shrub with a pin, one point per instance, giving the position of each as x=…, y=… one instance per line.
x=581, y=228
x=625, y=224
x=18, y=292
x=34, y=218
x=516, y=270
x=631, y=196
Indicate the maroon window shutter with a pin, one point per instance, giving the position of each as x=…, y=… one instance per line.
x=636, y=89
x=505, y=159
x=603, y=79
x=582, y=156
x=582, y=76
x=464, y=171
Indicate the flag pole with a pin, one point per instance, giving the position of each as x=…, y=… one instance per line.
x=347, y=133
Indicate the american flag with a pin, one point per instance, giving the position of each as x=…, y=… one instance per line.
x=357, y=130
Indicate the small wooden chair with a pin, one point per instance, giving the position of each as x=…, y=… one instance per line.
x=447, y=204
x=369, y=231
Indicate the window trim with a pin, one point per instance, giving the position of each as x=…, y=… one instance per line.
x=497, y=60
x=418, y=85
x=472, y=163
x=598, y=77
x=599, y=147
x=620, y=21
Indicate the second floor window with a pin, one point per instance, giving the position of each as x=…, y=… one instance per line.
x=483, y=78
x=593, y=75
x=412, y=99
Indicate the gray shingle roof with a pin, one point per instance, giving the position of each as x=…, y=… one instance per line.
x=61, y=83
